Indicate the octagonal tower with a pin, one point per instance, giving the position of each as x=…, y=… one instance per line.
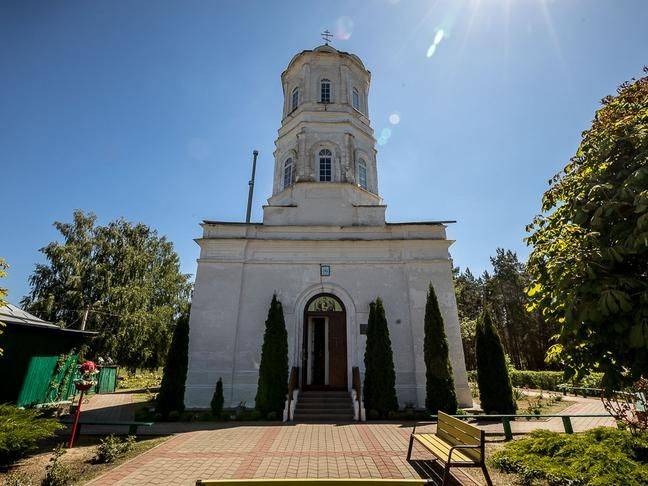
x=325, y=157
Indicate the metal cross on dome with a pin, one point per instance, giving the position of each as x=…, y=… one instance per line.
x=327, y=36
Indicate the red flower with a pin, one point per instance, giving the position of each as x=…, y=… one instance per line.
x=88, y=367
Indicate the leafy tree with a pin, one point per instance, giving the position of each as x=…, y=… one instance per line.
x=172, y=389
x=273, y=370
x=469, y=294
x=121, y=280
x=495, y=391
x=218, y=399
x=439, y=384
x=590, y=245
x=379, y=388
x=525, y=335
x=3, y=292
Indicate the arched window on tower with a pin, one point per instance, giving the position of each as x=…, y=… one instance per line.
x=356, y=99
x=325, y=158
x=325, y=91
x=362, y=174
x=288, y=173
x=295, y=99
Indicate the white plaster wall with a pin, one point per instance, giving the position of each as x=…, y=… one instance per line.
x=237, y=277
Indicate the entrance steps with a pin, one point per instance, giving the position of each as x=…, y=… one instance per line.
x=324, y=406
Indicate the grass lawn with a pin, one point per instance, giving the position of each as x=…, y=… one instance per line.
x=78, y=459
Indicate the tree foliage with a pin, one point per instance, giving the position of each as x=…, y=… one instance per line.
x=122, y=280
x=589, y=261
x=495, y=391
x=273, y=371
x=379, y=389
x=525, y=335
x=218, y=400
x=3, y=292
x=439, y=383
x=172, y=389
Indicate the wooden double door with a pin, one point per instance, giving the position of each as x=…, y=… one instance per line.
x=324, y=351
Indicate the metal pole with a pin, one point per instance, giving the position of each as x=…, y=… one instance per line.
x=75, y=425
x=251, y=190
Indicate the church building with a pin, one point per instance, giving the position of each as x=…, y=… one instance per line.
x=325, y=249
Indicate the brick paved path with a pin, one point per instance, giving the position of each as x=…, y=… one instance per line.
x=271, y=451
x=295, y=451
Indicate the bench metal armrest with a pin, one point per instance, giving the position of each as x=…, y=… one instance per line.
x=462, y=446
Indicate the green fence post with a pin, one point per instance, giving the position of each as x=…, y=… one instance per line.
x=506, y=422
x=567, y=424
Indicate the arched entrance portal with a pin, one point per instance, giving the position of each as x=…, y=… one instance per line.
x=324, y=350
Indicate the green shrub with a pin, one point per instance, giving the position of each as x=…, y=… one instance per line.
x=273, y=370
x=495, y=391
x=545, y=380
x=172, y=389
x=20, y=431
x=57, y=473
x=139, y=379
x=379, y=388
x=601, y=456
x=217, y=400
x=439, y=383
x=18, y=479
x=111, y=448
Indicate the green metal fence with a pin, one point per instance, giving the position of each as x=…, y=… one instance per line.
x=107, y=379
x=51, y=379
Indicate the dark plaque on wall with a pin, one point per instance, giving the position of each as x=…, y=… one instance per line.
x=325, y=270
x=363, y=329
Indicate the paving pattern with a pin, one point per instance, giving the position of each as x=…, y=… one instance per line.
x=231, y=450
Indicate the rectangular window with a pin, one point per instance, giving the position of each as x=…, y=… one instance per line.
x=295, y=99
x=356, y=99
x=325, y=95
x=325, y=169
x=362, y=176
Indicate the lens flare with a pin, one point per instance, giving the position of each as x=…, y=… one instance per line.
x=343, y=28
x=438, y=37
x=394, y=118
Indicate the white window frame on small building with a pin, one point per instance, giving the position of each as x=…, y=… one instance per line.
x=325, y=91
x=325, y=167
x=355, y=99
x=362, y=174
x=288, y=173
x=294, y=99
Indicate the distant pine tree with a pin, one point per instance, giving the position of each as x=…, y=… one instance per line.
x=217, y=400
x=439, y=384
x=273, y=370
x=495, y=391
x=172, y=389
x=380, y=378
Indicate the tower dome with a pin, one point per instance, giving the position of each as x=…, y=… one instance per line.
x=325, y=144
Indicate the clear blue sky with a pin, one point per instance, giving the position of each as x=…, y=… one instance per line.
x=150, y=110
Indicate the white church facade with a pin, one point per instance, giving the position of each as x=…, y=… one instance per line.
x=325, y=249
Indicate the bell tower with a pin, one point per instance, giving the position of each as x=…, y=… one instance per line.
x=325, y=157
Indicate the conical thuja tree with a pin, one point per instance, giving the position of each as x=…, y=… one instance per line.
x=495, y=391
x=218, y=399
x=439, y=384
x=172, y=389
x=273, y=370
x=380, y=378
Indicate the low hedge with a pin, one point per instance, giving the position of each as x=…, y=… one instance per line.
x=545, y=380
x=20, y=432
x=600, y=456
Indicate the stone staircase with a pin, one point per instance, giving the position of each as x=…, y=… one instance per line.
x=324, y=406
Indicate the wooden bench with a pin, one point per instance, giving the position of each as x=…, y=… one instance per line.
x=455, y=443
x=319, y=481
